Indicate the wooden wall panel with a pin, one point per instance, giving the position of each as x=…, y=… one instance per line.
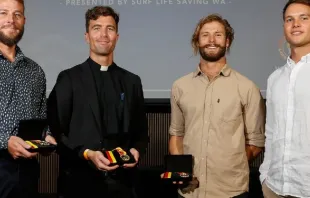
x=157, y=149
x=48, y=174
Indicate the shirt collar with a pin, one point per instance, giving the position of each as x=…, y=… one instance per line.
x=224, y=72
x=304, y=59
x=19, y=53
x=97, y=67
x=18, y=56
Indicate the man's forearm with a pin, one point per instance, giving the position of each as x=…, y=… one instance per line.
x=252, y=152
x=176, y=145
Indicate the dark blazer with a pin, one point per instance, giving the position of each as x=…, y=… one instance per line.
x=74, y=113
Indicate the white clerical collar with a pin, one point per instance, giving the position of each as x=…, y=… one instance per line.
x=104, y=68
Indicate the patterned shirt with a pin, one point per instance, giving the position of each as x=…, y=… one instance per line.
x=22, y=94
x=217, y=119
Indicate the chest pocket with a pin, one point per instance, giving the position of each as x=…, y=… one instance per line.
x=230, y=109
x=192, y=104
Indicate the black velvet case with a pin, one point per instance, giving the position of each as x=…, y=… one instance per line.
x=119, y=156
x=31, y=131
x=178, y=168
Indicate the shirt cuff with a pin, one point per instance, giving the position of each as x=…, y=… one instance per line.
x=176, y=132
x=49, y=133
x=257, y=140
x=262, y=178
x=4, y=144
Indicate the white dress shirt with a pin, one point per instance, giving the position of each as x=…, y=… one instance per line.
x=286, y=166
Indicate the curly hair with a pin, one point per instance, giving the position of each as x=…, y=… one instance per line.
x=229, y=31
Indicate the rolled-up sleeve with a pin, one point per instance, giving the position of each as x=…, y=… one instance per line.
x=254, y=117
x=177, y=117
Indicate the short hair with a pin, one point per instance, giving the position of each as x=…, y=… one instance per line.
x=290, y=2
x=21, y=2
x=229, y=31
x=97, y=11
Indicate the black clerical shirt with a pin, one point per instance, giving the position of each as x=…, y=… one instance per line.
x=110, y=93
x=93, y=109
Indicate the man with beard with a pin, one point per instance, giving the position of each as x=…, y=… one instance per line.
x=98, y=106
x=22, y=97
x=217, y=115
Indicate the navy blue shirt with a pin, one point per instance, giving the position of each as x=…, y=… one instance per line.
x=22, y=94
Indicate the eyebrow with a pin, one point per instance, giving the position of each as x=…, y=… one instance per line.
x=98, y=25
x=2, y=9
x=214, y=32
x=301, y=15
x=112, y=26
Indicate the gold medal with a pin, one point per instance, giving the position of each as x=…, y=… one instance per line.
x=182, y=174
x=125, y=157
x=122, y=154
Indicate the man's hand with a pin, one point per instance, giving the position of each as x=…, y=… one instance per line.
x=252, y=152
x=100, y=161
x=192, y=185
x=136, y=155
x=17, y=148
x=50, y=139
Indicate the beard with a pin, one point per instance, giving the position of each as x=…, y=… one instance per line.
x=11, y=40
x=212, y=57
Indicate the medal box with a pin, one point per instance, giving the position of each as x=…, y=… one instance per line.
x=32, y=132
x=177, y=176
x=119, y=156
x=178, y=168
x=40, y=146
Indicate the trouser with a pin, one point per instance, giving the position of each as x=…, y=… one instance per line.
x=268, y=193
x=85, y=184
x=18, y=178
x=243, y=195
